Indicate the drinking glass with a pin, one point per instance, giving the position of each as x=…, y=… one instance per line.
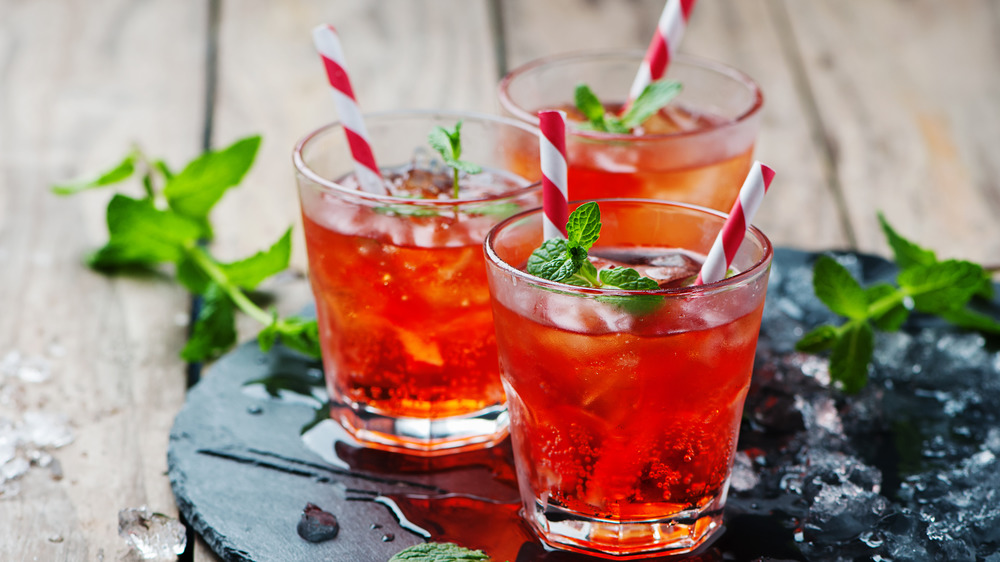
x=698, y=152
x=401, y=298
x=625, y=406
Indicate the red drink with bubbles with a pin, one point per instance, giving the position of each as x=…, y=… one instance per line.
x=696, y=150
x=625, y=413
x=401, y=295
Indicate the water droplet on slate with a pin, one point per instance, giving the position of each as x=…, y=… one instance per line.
x=255, y=410
x=375, y=526
x=388, y=537
x=317, y=525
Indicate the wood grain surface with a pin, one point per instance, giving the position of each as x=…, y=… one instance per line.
x=869, y=106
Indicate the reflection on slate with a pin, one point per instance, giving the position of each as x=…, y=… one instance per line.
x=906, y=470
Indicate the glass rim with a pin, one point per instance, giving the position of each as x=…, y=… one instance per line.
x=331, y=186
x=741, y=278
x=506, y=102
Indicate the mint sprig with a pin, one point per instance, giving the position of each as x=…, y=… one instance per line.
x=566, y=261
x=439, y=552
x=448, y=143
x=653, y=98
x=170, y=223
x=924, y=284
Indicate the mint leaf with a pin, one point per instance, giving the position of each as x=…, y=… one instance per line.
x=838, y=290
x=819, y=339
x=190, y=274
x=440, y=140
x=439, y=552
x=199, y=186
x=448, y=143
x=300, y=334
x=215, y=329
x=249, y=272
x=942, y=286
x=463, y=166
x=121, y=172
x=968, y=318
x=627, y=279
x=906, y=253
x=852, y=352
x=141, y=234
x=892, y=319
x=554, y=261
x=164, y=170
x=591, y=107
x=654, y=97
x=584, y=226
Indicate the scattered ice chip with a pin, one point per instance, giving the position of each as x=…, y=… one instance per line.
x=743, y=476
x=28, y=369
x=45, y=429
x=153, y=536
x=14, y=468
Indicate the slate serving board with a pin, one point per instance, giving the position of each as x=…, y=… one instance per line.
x=242, y=474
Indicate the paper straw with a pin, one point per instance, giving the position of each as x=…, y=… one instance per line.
x=720, y=257
x=664, y=45
x=552, y=150
x=328, y=45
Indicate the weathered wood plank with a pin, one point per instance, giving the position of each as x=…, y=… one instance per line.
x=79, y=82
x=400, y=53
x=533, y=29
x=907, y=95
x=737, y=32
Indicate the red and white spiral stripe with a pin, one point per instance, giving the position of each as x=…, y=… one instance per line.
x=328, y=45
x=720, y=257
x=664, y=45
x=552, y=151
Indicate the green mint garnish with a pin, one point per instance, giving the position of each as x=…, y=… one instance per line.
x=925, y=284
x=653, y=98
x=448, y=143
x=439, y=552
x=565, y=261
x=170, y=223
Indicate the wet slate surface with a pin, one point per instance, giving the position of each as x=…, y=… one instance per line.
x=242, y=475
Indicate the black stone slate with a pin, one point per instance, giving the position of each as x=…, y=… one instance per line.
x=242, y=475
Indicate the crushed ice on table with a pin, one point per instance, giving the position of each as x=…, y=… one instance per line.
x=153, y=536
x=27, y=434
x=908, y=469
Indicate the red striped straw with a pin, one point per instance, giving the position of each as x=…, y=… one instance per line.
x=328, y=44
x=552, y=150
x=720, y=257
x=662, y=48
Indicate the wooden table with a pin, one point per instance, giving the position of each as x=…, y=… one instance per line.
x=891, y=105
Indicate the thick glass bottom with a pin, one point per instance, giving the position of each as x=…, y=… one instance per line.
x=679, y=533
x=423, y=436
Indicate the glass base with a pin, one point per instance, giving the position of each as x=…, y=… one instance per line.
x=681, y=533
x=423, y=436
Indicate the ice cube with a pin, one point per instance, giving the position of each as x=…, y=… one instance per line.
x=154, y=536
x=45, y=429
x=743, y=476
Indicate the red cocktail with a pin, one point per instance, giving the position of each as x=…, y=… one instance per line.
x=697, y=150
x=625, y=413
x=401, y=294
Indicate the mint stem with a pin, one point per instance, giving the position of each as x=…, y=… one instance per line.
x=216, y=274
